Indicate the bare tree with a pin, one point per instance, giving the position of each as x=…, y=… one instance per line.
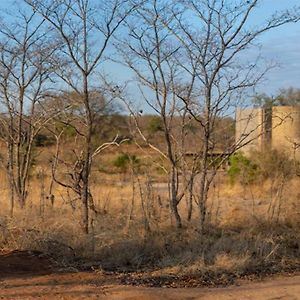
x=215, y=36
x=151, y=53
x=24, y=72
x=84, y=30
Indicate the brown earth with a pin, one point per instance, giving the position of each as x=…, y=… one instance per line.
x=30, y=275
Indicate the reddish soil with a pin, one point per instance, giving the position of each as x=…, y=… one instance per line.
x=30, y=275
x=18, y=263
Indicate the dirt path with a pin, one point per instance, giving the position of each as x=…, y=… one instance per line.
x=91, y=286
x=21, y=277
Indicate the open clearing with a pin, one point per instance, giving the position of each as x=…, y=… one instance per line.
x=26, y=275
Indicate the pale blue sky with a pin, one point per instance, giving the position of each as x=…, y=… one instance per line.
x=281, y=45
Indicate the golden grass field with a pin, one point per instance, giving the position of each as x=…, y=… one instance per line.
x=245, y=234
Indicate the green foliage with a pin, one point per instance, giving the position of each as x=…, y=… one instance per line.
x=108, y=126
x=242, y=169
x=43, y=140
x=155, y=125
x=124, y=161
x=69, y=130
x=271, y=164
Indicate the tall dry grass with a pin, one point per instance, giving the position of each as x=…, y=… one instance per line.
x=128, y=235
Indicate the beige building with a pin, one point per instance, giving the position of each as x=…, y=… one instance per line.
x=265, y=128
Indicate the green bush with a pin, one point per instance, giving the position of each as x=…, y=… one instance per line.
x=123, y=162
x=242, y=169
x=155, y=124
x=43, y=140
x=261, y=166
x=69, y=130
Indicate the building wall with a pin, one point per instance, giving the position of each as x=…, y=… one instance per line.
x=250, y=129
x=286, y=130
x=265, y=128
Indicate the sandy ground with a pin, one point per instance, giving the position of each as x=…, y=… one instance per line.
x=90, y=286
x=23, y=276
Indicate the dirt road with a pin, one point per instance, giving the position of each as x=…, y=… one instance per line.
x=23, y=276
x=92, y=286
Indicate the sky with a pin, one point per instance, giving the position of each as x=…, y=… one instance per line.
x=281, y=46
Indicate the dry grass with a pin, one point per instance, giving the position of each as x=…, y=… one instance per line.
x=240, y=239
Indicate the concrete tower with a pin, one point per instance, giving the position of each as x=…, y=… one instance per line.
x=253, y=128
x=286, y=130
x=276, y=127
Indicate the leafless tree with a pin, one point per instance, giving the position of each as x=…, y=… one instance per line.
x=151, y=53
x=190, y=56
x=215, y=36
x=24, y=72
x=84, y=30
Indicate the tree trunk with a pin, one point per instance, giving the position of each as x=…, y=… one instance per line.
x=174, y=201
x=203, y=185
x=190, y=199
x=10, y=173
x=21, y=197
x=87, y=158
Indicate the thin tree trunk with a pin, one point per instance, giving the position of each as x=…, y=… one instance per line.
x=87, y=158
x=190, y=199
x=174, y=201
x=10, y=170
x=203, y=185
x=131, y=209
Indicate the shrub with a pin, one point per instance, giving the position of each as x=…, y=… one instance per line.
x=43, y=140
x=123, y=161
x=155, y=124
x=242, y=169
x=274, y=163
